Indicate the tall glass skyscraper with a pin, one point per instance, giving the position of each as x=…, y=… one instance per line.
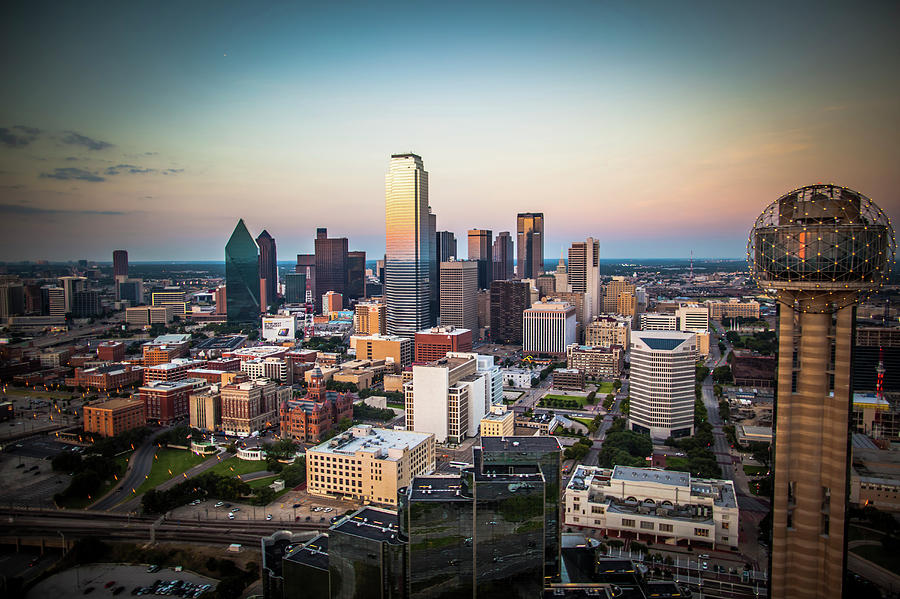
x=530, y=250
x=242, y=283
x=268, y=268
x=410, y=256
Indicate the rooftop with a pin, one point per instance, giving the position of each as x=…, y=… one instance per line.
x=164, y=339
x=445, y=330
x=664, y=477
x=371, y=523
x=661, y=340
x=176, y=363
x=223, y=342
x=115, y=368
x=520, y=444
x=115, y=404
x=366, y=438
x=313, y=553
x=174, y=385
x=438, y=488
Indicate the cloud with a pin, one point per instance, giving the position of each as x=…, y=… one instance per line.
x=18, y=136
x=72, y=174
x=12, y=187
x=77, y=139
x=173, y=171
x=128, y=168
x=13, y=209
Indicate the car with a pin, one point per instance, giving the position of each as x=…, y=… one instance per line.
x=220, y=504
x=317, y=509
x=328, y=509
x=703, y=556
x=109, y=584
x=88, y=590
x=20, y=465
x=296, y=505
x=704, y=565
x=118, y=590
x=268, y=516
x=235, y=509
x=153, y=568
x=308, y=518
x=230, y=516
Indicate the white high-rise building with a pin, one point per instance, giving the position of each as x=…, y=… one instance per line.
x=410, y=270
x=548, y=327
x=584, y=272
x=449, y=397
x=662, y=383
x=459, y=293
x=693, y=318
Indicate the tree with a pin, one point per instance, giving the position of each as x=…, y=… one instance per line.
x=617, y=384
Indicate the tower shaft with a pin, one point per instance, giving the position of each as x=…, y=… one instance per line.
x=812, y=447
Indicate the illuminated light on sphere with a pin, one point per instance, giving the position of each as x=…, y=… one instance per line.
x=818, y=240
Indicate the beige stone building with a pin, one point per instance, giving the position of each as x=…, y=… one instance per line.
x=251, y=406
x=733, y=308
x=206, y=409
x=392, y=348
x=369, y=318
x=607, y=330
x=500, y=422
x=368, y=464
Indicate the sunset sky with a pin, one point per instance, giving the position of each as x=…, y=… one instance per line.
x=657, y=127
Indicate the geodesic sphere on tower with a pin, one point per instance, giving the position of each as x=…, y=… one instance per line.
x=824, y=242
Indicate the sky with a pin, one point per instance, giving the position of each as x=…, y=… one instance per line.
x=660, y=128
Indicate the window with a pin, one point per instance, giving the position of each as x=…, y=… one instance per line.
x=628, y=522
x=646, y=525
x=701, y=532
x=725, y=525
x=665, y=528
x=596, y=509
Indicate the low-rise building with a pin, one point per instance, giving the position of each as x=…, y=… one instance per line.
x=368, y=464
x=875, y=479
x=499, y=422
x=113, y=417
x=167, y=402
x=392, y=348
x=175, y=370
x=520, y=378
x=275, y=369
x=165, y=348
x=548, y=328
x=308, y=420
x=653, y=504
x=435, y=343
x=607, y=330
x=596, y=362
x=111, y=351
x=568, y=378
x=251, y=406
x=733, y=308
x=108, y=377
x=206, y=409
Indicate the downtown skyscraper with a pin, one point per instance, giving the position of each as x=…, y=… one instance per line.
x=410, y=267
x=530, y=245
x=583, y=274
x=503, y=255
x=268, y=270
x=242, y=276
x=480, y=251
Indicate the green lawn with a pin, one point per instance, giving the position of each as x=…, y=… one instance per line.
x=174, y=460
x=579, y=398
x=604, y=389
x=262, y=482
x=676, y=462
x=876, y=553
x=584, y=421
x=396, y=404
x=235, y=466
x=755, y=470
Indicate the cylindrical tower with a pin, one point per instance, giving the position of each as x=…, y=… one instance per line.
x=820, y=249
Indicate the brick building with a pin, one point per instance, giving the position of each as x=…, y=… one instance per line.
x=107, y=378
x=435, y=343
x=113, y=417
x=168, y=401
x=308, y=419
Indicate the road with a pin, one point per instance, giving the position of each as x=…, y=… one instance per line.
x=138, y=468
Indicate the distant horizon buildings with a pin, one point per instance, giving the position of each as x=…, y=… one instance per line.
x=410, y=277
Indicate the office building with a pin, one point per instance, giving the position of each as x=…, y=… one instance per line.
x=12, y=299
x=86, y=304
x=142, y=316
x=693, y=318
x=820, y=247
x=450, y=396
x=175, y=370
x=394, y=349
x=568, y=378
x=251, y=406
x=580, y=301
x=369, y=318
x=509, y=299
x=608, y=329
x=583, y=272
x=131, y=290
x=596, y=362
x=368, y=464
x=409, y=248
x=34, y=301
x=111, y=351
x=435, y=343
x=658, y=321
x=106, y=378
x=306, y=265
x=548, y=328
x=661, y=506
x=499, y=422
x=504, y=256
x=446, y=246
x=242, y=276
x=205, y=409
x=356, y=275
x=56, y=301
x=120, y=264
x=70, y=286
x=611, y=292
x=562, y=276
x=459, y=293
x=530, y=245
x=662, y=383
x=165, y=348
x=733, y=308
x=268, y=270
x=114, y=417
x=295, y=287
x=332, y=301
x=275, y=369
x=167, y=402
x=480, y=250
x=170, y=297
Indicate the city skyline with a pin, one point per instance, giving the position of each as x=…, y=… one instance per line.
x=677, y=123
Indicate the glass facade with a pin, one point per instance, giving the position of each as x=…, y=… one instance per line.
x=242, y=283
x=295, y=287
x=268, y=266
x=530, y=250
x=410, y=265
x=365, y=560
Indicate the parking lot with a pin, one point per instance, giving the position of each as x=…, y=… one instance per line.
x=282, y=510
x=26, y=478
x=74, y=581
